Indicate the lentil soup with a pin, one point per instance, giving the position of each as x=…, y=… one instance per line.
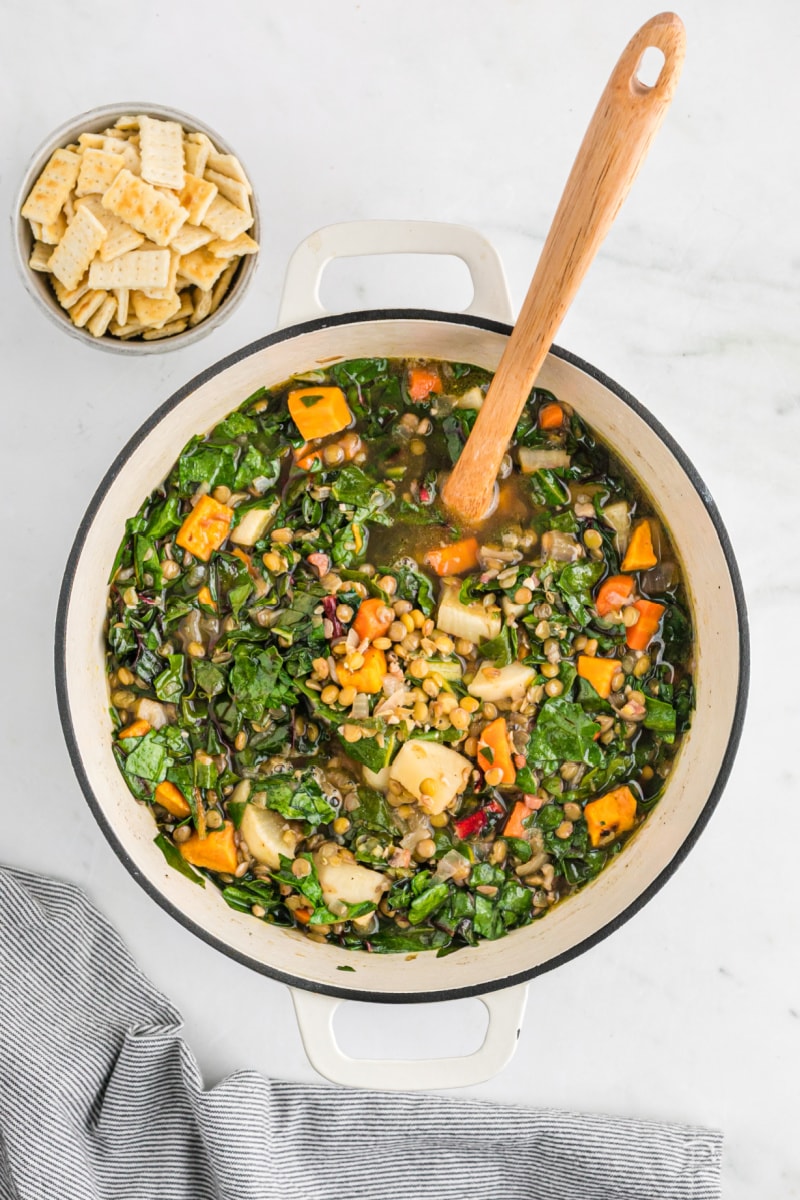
x=364, y=722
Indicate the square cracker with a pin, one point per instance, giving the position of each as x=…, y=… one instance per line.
x=120, y=236
x=170, y=287
x=195, y=157
x=231, y=189
x=196, y=196
x=201, y=268
x=243, y=244
x=122, y=295
x=84, y=237
x=69, y=297
x=99, y=321
x=228, y=164
x=161, y=148
x=225, y=219
x=99, y=169
x=47, y=196
x=154, y=312
x=86, y=307
x=190, y=237
x=52, y=234
x=136, y=269
x=40, y=257
x=202, y=306
x=137, y=202
x=162, y=331
x=222, y=285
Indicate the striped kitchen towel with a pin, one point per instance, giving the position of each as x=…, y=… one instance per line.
x=100, y=1097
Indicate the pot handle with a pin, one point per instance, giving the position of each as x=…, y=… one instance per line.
x=351, y=239
x=315, y=1014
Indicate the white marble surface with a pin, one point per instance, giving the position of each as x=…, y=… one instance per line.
x=470, y=112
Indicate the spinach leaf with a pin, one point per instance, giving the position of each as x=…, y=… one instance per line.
x=148, y=759
x=169, y=684
x=209, y=677
x=202, y=462
x=501, y=650
x=359, y=370
x=253, y=678
x=412, y=584
x=427, y=902
x=298, y=799
x=563, y=732
x=575, y=582
x=177, y=861
x=367, y=750
x=373, y=812
x=660, y=717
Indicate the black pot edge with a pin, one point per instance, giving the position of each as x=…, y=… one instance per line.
x=356, y=993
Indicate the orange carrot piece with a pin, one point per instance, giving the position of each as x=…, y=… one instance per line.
x=306, y=456
x=170, y=797
x=455, y=558
x=216, y=851
x=135, y=729
x=205, y=528
x=369, y=677
x=599, y=672
x=640, y=635
x=613, y=593
x=373, y=618
x=422, y=381
x=495, y=738
x=640, y=555
x=205, y=597
x=551, y=416
x=303, y=915
x=319, y=411
x=513, y=826
x=610, y=815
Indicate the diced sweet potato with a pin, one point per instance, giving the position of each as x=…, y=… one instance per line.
x=205, y=528
x=610, y=815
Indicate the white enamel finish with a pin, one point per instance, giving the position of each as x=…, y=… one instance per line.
x=315, y=1018
x=355, y=239
x=648, y=854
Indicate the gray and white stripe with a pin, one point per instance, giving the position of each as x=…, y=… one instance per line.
x=100, y=1097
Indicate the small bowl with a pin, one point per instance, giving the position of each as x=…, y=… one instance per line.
x=37, y=283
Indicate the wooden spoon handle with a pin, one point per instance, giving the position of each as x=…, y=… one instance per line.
x=614, y=147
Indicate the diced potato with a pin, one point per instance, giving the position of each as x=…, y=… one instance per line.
x=561, y=546
x=501, y=683
x=618, y=516
x=347, y=882
x=540, y=460
x=474, y=622
x=376, y=779
x=253, y=526
x=268, y=835
x=152, y=711
x=472, y=399
x=433, y=773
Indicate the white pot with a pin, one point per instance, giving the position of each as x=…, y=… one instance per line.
x=494, y=971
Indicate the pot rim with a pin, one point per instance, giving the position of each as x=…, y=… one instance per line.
x=73, y=748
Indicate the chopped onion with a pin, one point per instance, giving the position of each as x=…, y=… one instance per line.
x=451, y=864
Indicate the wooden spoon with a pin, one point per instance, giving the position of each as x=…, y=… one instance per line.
x=614, y=147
